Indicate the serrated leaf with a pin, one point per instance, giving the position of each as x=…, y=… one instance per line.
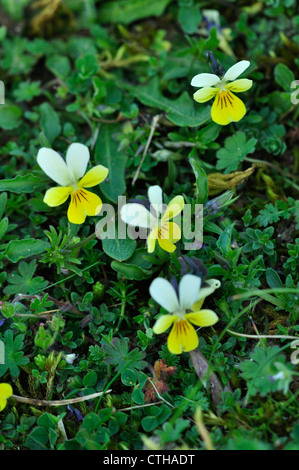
x=235, y=150
x=22, y=184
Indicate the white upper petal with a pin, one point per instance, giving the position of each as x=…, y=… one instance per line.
x=156, y=198
x=136, y=215
x=233, y=72
x=54, y=166
x=164, y=294
x=188, y=290
x=77, y=158
x=205, y=79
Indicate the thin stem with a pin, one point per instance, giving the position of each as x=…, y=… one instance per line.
x=262, y=336
x=33, y=401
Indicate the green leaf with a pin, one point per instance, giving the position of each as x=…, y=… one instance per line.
x=22, y=184
x=119, y=249
x=181, y=111
x=283, y=76
x=37, y=439
x=59, y=65
x=14, y=356
x=189, y=16
x=3, y=227
x=20, y=249
x=90, y=379
x=24, y=282
x=107, y=154
x=127, y=11
x=201, y=180
x=273, y=279
x=10, y=117
x=50, y=123
x=235, y=150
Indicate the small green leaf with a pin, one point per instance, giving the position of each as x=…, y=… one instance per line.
x=119, y=249
x=283, y=76
x=124, y=11
x=20, y=249
x=201, y=180
x=107, y=154
x=10, y=117
x=50, y=122
x=235, y=150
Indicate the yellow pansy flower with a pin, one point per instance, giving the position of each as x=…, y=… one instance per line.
x=156, y=218
x=178, y=300
x=227, y=107
x=69, y=175
x=5, y=393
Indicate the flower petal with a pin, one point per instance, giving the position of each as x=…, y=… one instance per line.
x=227, y=108
x=2, y=403
x=197, y=306
x=204, y=79
x=155, y=195
x=164, y=294
x=151, y=240
x=77, y=158
x=240, y=85
x=163, y=323
x=5, y=390
x=205, y=94
x=202, y=318
x=182, y=337
x=136, y=215
x=54, y=166
x=166, y=245
x=83, y=203
x=170, y=231
x=76, y=212
x=95, y=176
x=91, y=202
x=174, y=208
x=57, y=196
x=213, y=284
x=188, y=290
x=233, y=72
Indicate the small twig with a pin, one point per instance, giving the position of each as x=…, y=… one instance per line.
x=153, y=128
x=33, y=401
x=202, y=429
x=262, y=336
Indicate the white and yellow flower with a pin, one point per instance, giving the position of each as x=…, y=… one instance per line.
x=227, y=107
x=5, y=393
x=69, y=175
x=156, y=218
x=178, y=300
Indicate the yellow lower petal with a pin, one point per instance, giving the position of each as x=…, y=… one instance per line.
x=166, y=245
x=83, y=203
x=170, y=231
x=151, y=240
x=163, y=323
x=182, y=337
x=202, y=318
x=57, y=196
x=93, y=177
x=227, y=108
